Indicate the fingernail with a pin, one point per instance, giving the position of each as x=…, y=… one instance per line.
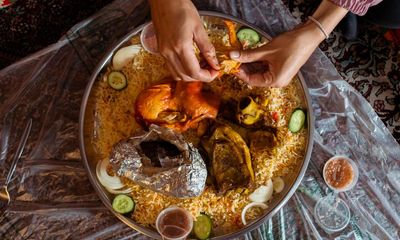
x=216, y=62
x=234, y=54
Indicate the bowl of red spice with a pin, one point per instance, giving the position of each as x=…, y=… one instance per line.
x=340, y=173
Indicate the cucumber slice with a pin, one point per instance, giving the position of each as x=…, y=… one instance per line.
x=248, y=37
x=202, y=226
x=297, y=120
x=117, y=80
x=123, y=204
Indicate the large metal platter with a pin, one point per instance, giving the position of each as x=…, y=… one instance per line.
x=90, y=157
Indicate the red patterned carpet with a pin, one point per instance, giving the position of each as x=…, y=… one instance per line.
x=370, y=63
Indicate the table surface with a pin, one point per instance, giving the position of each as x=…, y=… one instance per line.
x=53, y=198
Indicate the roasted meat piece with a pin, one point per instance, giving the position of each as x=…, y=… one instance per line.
x=260, y=140
x=231, y=161
x=175, y=105
x=228, y=66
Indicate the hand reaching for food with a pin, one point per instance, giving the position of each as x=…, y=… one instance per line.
x=178, y=26
x=277, y=62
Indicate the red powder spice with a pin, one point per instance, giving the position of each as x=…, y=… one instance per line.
x=339, y=173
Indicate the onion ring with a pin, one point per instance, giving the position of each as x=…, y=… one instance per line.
x=250, y=205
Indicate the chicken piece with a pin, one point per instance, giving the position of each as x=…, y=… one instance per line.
x=228, y=66
x=157, y=105
x=176, y=105
x=196, y=104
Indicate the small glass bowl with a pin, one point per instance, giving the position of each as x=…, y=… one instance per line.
x=186, y=229
x=355, y=173
x=148, y=39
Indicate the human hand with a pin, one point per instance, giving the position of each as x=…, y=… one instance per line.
x=277, y=62
x=178, y=26
x=280, y=60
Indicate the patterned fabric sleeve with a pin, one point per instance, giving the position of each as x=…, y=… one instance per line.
x=359, y=7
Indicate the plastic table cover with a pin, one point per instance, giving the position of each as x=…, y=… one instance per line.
x=52, y=197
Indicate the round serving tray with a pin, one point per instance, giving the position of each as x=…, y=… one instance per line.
x=90, y=157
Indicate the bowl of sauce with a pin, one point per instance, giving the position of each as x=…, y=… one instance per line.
x=340, y=173
x=174, y=223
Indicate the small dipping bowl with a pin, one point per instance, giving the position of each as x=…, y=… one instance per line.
x=174, y=223
x=332, y=214
x=148, y=39
x=340, y=173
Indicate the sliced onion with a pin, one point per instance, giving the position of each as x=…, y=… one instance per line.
x=279, y=184
x=119, y=191
x=109, y=182
x=124, y=55
x=250, y=205
x=263, y=193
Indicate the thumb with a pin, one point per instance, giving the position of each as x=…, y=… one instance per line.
x=247, y=56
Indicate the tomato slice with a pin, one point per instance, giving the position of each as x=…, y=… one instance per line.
x=275, y=116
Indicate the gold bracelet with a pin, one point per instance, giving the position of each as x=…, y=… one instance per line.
x=319, y=26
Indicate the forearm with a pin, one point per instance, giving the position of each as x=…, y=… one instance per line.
x=328, y=15
x=170, y=5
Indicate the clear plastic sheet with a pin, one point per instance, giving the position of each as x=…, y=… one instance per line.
x=53, y=198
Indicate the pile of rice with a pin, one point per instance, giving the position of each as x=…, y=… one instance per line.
x=116, y=121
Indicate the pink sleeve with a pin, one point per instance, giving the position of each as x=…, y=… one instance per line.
x=358, y=7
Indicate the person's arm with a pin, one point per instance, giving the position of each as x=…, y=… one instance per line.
x=178, y=26
x=286, y=53
x=328, y=15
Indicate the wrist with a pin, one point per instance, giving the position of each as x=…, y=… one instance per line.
x=329, y=15
x=311, y=33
